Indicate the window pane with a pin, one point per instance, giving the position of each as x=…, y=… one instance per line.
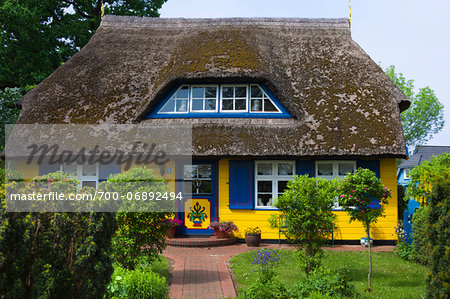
x=70, y=169
x=257, y=105
x=197, y=104
x=264, y=200
x=285, y=169
x=240, y=104
x=282, y=186
x=92, y=184
x=210, y=104
x=345, y=168
x=197, y=92
x=240, y=92
x=325, y=169
x=181, y=106
x=204, y=171
x=204, y=186
x=268, y=106
x=189, y=187
x=182, y=92
x=227, y=92
x=210, y=92
x=256, y=92
x=190, y=171
x=227, y=104
x=264, y=168
x=89, y=170
x=265, y=186
x=169, y=106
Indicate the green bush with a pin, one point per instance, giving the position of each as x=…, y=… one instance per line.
x=421, y=250
x=273, y=288
x=403, y=249
x=55, y=255
x=138, y=283
x=438, y=281
x=325, y=282
x=139, y=233
x=307, y=207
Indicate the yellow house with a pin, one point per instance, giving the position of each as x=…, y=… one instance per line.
x=266, y=98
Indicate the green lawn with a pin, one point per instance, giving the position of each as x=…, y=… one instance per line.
x=392, y=277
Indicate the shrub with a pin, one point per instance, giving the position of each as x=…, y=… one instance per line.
x=138, y=283
x=55, y=255
x=421, y=250
x=138, y=233
x=306, y=206
x=438, y=223
x=325, y=282
x=270, y=289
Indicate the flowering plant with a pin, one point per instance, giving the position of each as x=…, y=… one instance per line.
x=224, y=226
x=253, y=230
x=265, y=260
x=172, y=223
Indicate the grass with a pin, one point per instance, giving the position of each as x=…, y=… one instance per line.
x=392, y=277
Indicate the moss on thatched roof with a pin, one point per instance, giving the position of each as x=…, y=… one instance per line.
x=342, y=102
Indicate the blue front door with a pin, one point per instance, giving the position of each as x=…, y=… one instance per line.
x=199, y=205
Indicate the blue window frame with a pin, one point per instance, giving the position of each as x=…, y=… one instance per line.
x=220, y=100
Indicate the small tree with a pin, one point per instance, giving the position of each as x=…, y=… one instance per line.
x=306, y=206
x=139, y=233
x=357, y=191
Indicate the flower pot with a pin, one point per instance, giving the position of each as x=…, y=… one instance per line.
x=220, y=234
x=252, y=240
x=171, y=232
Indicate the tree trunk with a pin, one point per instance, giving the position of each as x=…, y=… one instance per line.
x=369, y=289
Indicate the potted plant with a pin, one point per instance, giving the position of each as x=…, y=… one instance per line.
x=223, y=229
x=253, y=236
x=172, y=226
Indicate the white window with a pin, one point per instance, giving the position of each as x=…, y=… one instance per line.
x=271, y=179
x=260, y=101
x=334, y=170
x=220, y=98
x=204, y=98
x=406, y=173
x=234, y=98
x=178, y=103
x=86, y=173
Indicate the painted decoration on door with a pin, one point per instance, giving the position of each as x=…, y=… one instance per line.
x=197, y=213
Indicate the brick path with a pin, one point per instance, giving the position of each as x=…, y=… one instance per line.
x=203, y=272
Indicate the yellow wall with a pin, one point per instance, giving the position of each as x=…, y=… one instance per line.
x=383, y=230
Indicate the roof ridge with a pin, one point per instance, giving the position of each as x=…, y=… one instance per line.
x=133, y=21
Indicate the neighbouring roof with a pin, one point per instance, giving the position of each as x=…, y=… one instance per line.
x=342, y=102
x=424, y=153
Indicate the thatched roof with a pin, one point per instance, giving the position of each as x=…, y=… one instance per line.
x=342, y=102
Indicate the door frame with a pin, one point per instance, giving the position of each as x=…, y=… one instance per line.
x=212, y=198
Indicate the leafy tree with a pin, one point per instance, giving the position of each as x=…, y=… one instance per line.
x=425, y=175
x=425, y=116
x=307, y=207
x=38, y=36
x=9, y=112
x=357, y=192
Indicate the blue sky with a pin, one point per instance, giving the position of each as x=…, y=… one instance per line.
x=412, y=35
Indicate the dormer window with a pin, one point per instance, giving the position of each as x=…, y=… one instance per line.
x=220, y=100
